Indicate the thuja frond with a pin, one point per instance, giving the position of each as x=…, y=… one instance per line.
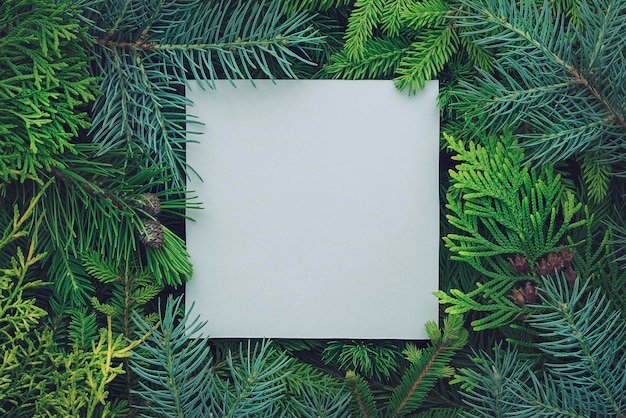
x=43, y=85
x=504, y=208
x=563, y=83
x=146, y=51
x=505, y=214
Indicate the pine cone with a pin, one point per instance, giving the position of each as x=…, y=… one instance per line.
x=151, y=235
x=149, y=203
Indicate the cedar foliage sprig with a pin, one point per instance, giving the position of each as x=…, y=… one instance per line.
x=502, y=208
x=37, y=377
x=44, y=85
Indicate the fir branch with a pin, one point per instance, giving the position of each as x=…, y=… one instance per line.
x=432, y=365
x=380, y=59
x=363, y=398
x=427, y=58
x=393, y=16
x=597, y=177
x=425, y=14
x=364, y=17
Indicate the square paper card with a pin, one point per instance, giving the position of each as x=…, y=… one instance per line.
x=321, y=209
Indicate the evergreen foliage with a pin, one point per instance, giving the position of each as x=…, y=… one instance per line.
x=426, y=367
x=379, y=361
x=37, y=377
x=179, y=378
x=503, y=212
x=43, y=85
x=564, y=82
x=583, y=339
x=92, y=176
x=407, y=40
x=147, y=49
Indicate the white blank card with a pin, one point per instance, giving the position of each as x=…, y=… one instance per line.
x=321, y=209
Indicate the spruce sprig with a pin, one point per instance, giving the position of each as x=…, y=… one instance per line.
x=562, y=82
x=146, y=51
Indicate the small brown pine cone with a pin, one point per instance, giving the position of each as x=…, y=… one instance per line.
x=149, y=203
x=151, y=235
